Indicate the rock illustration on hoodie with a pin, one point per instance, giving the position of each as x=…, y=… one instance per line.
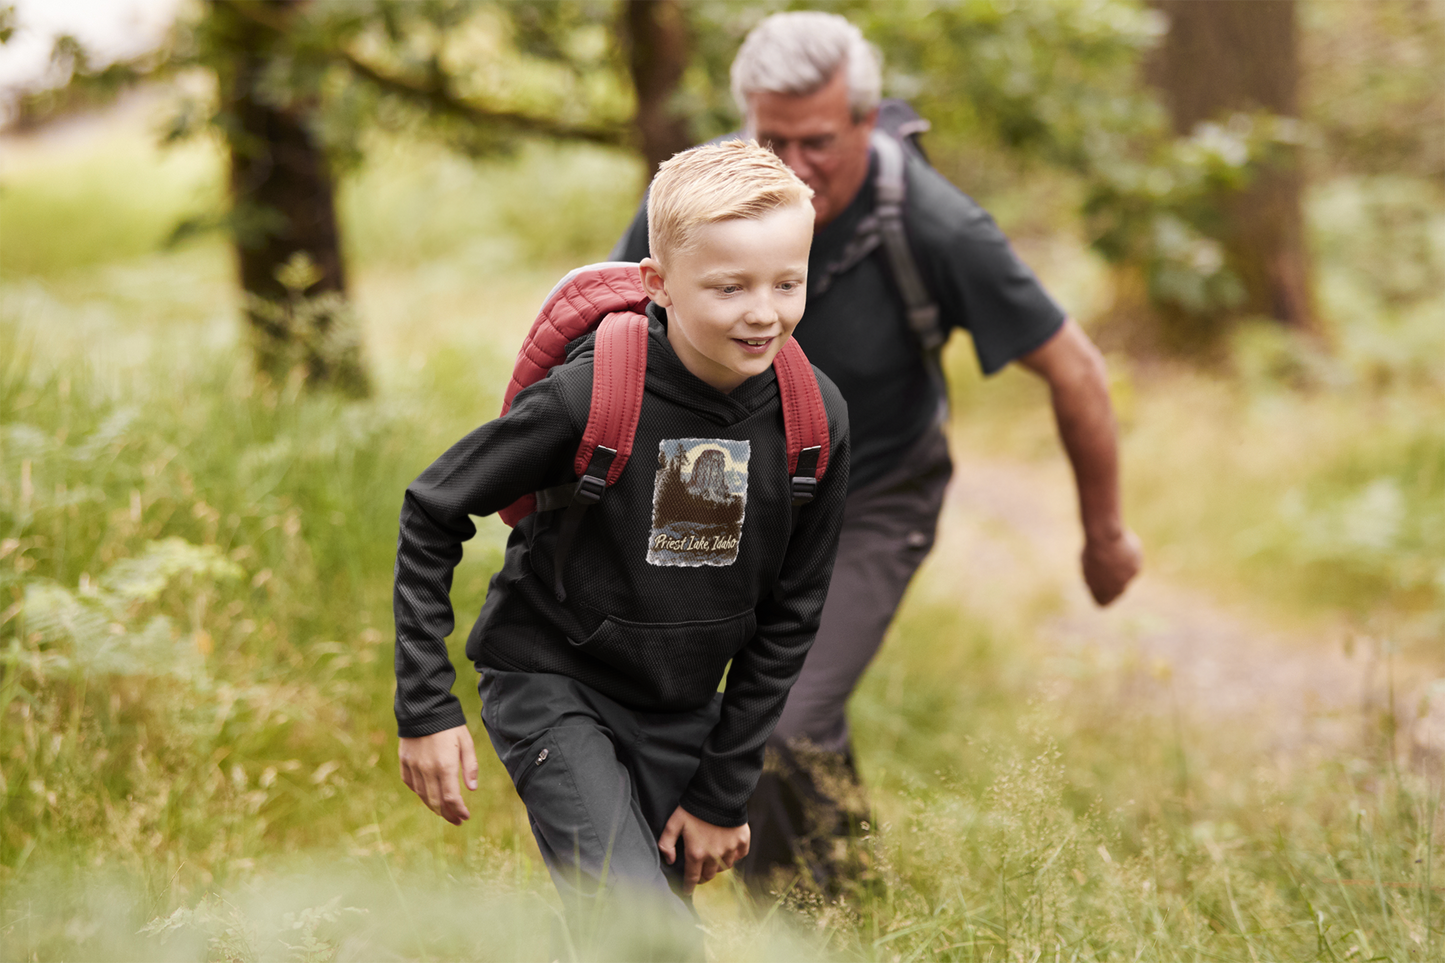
x=698, y=501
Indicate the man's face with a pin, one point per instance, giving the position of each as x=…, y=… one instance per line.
x=734, y=296
x=816, y=136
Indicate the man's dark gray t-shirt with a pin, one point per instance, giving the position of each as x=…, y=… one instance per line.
x=857, y=333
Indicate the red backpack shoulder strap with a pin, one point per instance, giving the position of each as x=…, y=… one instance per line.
x=619, y=373
x=805, y=421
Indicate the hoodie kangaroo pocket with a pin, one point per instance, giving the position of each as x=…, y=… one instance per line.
x=682, y=661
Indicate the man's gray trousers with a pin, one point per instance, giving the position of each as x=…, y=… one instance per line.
x=809, y=794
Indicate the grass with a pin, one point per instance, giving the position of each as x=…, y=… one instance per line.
x=1306, y=482
x=196, y=742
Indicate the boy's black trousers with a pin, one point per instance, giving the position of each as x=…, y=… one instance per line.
x=600, y=781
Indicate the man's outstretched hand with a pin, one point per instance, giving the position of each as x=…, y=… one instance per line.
x=709, y=849
x=1110, y=564
x=430, y=765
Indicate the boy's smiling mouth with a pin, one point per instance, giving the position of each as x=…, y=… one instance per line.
x=754, y=345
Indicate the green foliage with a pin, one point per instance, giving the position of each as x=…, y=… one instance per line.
x=110, y=213
x=1059, y=86
x=475, y=75
x=1326, y=470
x=1375, y=90
x=196, y=737
x=409, y=205
x=1163, y=215
x=194, y=576
x=204, y=709
x=1047, y=87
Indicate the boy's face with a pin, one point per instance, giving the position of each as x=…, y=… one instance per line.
x=735, y=294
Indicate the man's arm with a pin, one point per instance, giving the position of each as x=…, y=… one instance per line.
x=1079, y=389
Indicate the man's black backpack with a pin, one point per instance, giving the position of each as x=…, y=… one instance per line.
x=894, y=137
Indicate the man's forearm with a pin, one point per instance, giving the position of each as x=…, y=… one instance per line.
x=1085, y=419
x=1079, y=389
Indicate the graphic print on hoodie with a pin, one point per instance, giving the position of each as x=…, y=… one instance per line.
x=698, y=501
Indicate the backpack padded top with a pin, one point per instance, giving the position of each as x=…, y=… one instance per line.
x=609, y=297
x=574, y=307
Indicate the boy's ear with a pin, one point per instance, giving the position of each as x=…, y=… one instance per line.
x=654, y=283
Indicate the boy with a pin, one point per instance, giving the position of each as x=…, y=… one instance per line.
x=604, y=707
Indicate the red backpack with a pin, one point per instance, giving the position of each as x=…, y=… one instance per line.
x=610, y=299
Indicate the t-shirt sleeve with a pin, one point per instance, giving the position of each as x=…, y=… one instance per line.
x=980, y=283
x=632, y=246
x=765, y=669
x=485, y=472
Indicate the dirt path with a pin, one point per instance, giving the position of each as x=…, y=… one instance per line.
x=1015, y=525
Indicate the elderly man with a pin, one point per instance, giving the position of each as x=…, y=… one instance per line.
x=808, y=85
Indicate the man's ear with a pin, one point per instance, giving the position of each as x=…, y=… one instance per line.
x=654, y=282
x=870, y=119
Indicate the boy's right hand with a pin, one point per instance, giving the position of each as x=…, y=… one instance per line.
x=707, y=849
x=429, y=766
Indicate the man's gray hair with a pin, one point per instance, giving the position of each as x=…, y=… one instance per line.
x=798, y=53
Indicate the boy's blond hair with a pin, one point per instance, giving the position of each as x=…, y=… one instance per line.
x=716, y=182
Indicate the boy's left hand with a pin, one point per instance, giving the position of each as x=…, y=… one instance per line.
x=430, y=765
x=709, y=849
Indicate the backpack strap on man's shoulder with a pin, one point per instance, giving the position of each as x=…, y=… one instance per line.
x=805, y=421
x=883, y=227
x=891, y=195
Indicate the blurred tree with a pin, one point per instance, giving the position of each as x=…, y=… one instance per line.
x=283, y=211
x=1053, y=85
x=1028, y=87
x=300, y=83
x=1227, y=57
x=655, y=35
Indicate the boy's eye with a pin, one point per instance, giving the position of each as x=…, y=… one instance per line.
x=790, y=285
x=730, y=288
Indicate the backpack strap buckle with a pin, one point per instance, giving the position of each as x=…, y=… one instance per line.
x=588, y=492
x=805, y=482
x=589, y=488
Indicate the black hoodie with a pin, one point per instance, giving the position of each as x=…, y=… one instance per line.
x=694, y=557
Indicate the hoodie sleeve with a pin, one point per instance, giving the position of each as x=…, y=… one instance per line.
x=766, y=668
x=485, y=472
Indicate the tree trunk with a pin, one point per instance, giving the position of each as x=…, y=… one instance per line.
x=283, y=218
x=655, y=36
x=1223, y=56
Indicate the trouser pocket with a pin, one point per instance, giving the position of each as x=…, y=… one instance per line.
x=580, y=800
